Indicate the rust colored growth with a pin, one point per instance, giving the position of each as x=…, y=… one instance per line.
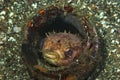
x=42, y=12
x=68, y=8
x=71, y=77
x=29, y=24
x=42, y=69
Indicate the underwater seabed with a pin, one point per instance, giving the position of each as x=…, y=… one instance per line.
x=14, y=18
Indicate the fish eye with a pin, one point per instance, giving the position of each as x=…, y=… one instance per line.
x=68, y=53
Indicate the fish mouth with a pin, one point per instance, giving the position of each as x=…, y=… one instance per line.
x=51, y=57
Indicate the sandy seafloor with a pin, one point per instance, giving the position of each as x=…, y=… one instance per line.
x=14, y=15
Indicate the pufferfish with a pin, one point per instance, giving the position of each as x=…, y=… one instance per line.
x=61, y=48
